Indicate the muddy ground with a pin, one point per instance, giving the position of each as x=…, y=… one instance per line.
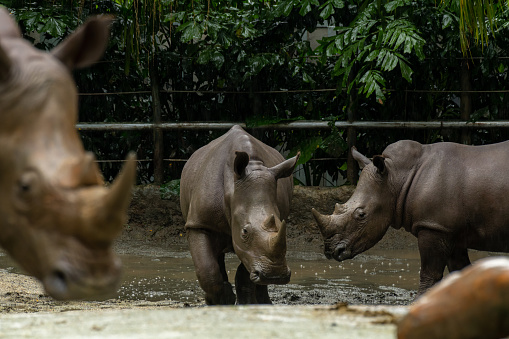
x=155, y=229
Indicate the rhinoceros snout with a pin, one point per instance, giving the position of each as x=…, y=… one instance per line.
x=65, y=282
x=278, y=278
x=56, y=284
x=341, y=252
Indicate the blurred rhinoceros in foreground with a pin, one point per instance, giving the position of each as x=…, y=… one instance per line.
x=57, y=220
x=473, y=303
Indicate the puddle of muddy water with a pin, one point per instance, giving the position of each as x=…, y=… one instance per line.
x=376, y=277
x=173, y=278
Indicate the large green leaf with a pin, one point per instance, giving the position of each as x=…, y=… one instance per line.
x=284, y=8
x=406, y=71
x=217, y=59
x=327, y=11
x=308, y=148
x=190, y=31
x=54, y=27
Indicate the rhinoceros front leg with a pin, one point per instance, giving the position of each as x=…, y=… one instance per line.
x=247, y=291
x=435, y=250
x=207, y=250
x=262, y=294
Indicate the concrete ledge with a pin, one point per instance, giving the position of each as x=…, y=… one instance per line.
x=308, y=322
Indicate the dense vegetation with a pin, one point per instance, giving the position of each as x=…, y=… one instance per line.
x=251, y=61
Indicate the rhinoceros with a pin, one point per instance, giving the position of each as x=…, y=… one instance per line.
x=235, y=194
x=471, y=303
x=57, y=219
x=452, y=197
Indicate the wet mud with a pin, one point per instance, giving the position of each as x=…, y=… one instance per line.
x=165, y=277
x=156, y=277
x=369, y=279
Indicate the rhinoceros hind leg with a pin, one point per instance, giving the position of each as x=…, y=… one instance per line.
x=208, y=257
x=458, y=260
x=435, y=249
x=245, y=288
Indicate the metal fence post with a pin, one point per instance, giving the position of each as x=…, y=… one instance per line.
x=465, y=100
x=352, y=168
x=158, y=132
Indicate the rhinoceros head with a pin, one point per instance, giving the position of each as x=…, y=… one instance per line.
x=259, y=236
x=57, y=219
x=361, y=222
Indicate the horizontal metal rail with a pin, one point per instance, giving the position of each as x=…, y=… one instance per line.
x=292, y=125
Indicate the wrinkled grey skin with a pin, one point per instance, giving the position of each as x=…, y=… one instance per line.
x=234, y=194
x=57, y=220
x=452, y=197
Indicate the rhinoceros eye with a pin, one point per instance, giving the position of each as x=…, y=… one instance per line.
x=244, y=233
x=359, y=214
x=28, y=184
x=28, y=188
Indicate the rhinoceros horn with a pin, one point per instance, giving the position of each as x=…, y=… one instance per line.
x=279, y=240
x=338, y=209
x=323, y=221
x=107, y=213
x=362, y=160
x=270, y=224
x=119, y=197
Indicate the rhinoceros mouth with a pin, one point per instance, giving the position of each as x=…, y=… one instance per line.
x=261, y=278
x=341, y=252
x=338, y=252
x=65, y=282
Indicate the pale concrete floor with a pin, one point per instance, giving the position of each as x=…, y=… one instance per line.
x=352, y=322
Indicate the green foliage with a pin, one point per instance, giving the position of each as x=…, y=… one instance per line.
x=476, y=20
x=373, y=45
x=250, y=61
x=170, y=190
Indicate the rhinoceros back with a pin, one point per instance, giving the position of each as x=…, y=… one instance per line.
x=208, y=176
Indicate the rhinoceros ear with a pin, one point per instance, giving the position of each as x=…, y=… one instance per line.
x=5, y=65
x=379, y=162
x=361, y=159
x=240, y=164
x=285, y=169
x=8, y=27
x=86, y=45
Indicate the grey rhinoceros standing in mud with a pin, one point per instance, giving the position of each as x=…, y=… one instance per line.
x=57, y=220
x=235, y=193
x=452, y=197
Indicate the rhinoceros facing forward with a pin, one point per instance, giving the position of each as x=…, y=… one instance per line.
x=234, y=192
x=452, y=197
x=56, y=217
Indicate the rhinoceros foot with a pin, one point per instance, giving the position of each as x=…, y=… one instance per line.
x=247, y=291
x=226, y=297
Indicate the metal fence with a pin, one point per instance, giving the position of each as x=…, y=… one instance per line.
x=295, y=125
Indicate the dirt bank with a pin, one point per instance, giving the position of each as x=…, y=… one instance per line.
x=156, y=229
x=157, y=221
